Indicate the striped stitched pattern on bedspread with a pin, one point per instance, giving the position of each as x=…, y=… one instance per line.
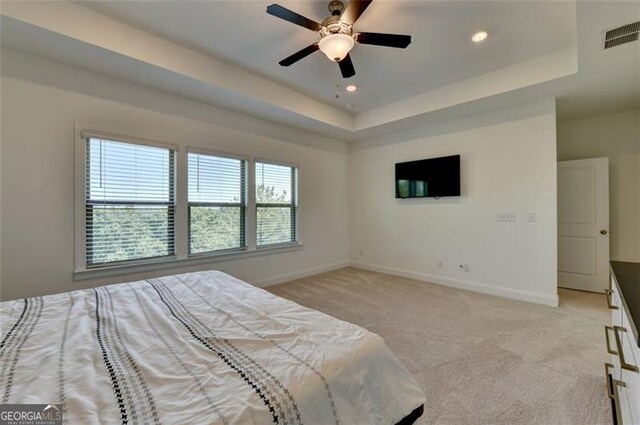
x=181, y=350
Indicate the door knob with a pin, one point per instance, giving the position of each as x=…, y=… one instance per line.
x=603, y=232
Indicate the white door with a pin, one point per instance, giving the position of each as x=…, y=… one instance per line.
x=583, y=224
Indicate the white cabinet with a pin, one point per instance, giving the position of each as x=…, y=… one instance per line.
x=625, y=398
x=625, y=354
x=629, y=372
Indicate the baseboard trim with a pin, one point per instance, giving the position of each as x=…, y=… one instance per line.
x=286, y=277
x=515, y=294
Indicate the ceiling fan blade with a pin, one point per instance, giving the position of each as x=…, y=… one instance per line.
x=388, y=40
x=299, y=55
x=354, y=9
x=346, y=67
x=286, y=14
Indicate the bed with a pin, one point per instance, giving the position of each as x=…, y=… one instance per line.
x=198, y=348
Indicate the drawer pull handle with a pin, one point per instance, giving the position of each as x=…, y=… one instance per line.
x=609, y=378
x=623, y=363
x=609, y=292
x=616, y=399
x=606, y=336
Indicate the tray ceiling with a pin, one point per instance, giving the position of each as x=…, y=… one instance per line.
x=441, y=53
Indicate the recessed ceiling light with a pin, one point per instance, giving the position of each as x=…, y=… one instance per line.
x=352, y=88
x=479, y=36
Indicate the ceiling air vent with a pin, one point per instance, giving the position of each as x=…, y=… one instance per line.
x=621, y=35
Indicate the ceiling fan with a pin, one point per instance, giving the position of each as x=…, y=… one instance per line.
x=337, y=37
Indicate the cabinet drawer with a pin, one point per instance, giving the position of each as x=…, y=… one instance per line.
x=626, y=401
x=614, y=302
x=630, y=349
x=630, y=397
x=617, y=391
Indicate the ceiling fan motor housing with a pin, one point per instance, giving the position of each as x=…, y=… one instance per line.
x=336, y=7
x=333, y=25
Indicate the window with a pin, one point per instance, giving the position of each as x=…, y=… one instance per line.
x=129, y=202
x=276, y=204
x=217, y=203
x=144, y=205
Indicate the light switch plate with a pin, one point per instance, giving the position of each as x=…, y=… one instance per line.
x=506, y=217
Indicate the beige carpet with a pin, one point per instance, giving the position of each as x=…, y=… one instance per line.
x=480, y=359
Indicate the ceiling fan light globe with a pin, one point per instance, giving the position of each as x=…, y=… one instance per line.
x=336, y=46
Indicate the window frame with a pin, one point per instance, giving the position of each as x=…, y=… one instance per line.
x=243, y=208
x=181, y=256
x=170, y=205
x=294, y=205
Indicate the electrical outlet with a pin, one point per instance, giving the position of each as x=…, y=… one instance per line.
x=506, y=216
x=440, y=264
x=532, y=217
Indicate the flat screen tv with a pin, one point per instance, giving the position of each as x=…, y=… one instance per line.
x=428, y=178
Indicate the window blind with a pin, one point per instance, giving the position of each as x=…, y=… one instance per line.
x=130, y=202
x=217, y=203
x=276, y=203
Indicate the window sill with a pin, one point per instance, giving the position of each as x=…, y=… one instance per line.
x=84, y=274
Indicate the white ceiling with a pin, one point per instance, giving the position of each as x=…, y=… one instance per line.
x=441, y=53
x=607, y=81
x=225, y=53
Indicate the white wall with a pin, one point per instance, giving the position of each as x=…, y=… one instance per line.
x=616, y=136
x=508, y=164
x=41, y=100
x=347, y=199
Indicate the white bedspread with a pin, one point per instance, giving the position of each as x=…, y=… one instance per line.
x=197, y=348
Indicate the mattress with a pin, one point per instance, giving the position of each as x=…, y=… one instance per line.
x=197, y=348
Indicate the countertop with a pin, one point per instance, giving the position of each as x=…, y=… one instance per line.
x=628, y=278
